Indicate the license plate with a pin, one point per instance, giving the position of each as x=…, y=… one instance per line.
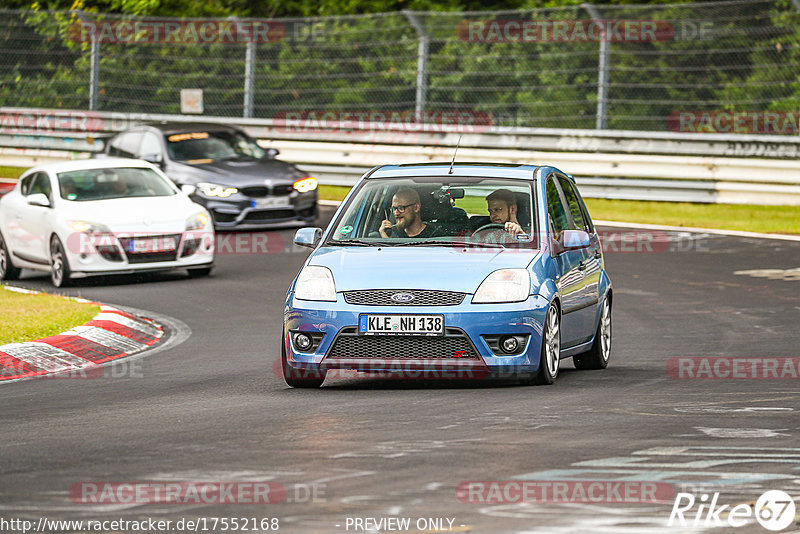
x=151, y=244
x=271, y=202
x=431, y=325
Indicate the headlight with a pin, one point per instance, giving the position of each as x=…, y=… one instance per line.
x=86, y=227
x=216, y=190
x=315, y=283
x=306, y=184
x=505, y=285
x=197, y=221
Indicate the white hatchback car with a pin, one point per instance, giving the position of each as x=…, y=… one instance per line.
x=101, y=216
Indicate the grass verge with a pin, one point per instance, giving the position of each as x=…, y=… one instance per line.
x=11, y=172
x=765, y=219
x=25, y=317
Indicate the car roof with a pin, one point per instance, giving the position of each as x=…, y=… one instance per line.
x=168, y=128
x=81, y=164
x=489, y=170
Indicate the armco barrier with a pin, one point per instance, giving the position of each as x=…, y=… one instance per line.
x=667, y=166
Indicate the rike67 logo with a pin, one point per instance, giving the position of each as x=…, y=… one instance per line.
x=774, y=510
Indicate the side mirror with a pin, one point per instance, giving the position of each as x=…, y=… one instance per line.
x=308, y=237
x=575, y=239
x=189, y=189
x=155, y=159
x=39, y=199
x=272, y=153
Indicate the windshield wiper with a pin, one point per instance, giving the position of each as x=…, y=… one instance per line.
x=438, y=242
x=356, y=243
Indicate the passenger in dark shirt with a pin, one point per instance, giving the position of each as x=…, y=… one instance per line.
x=406, y=207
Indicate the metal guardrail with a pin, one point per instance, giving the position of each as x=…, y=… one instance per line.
x=752, y=169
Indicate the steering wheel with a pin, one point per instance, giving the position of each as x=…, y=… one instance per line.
x=490, y=226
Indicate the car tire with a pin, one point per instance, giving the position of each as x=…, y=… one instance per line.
x=549, y=359
x=59, y=265
x=7, y=269
x=299, y=378
x=597, y=357
x=200, y=272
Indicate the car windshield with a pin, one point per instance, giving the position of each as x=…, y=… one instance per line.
x=119, y=182
x=207, y=147
x=441, y=211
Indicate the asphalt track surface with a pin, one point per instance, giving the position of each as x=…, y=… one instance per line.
x=212, y=409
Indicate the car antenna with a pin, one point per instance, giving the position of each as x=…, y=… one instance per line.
x=454, y=155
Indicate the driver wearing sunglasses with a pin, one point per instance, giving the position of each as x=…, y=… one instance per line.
x=406, y=210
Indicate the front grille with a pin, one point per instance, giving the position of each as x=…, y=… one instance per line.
x=150, y=257
x=454, y=345
x=261, y=191
x=422, y=297
x=269, y=215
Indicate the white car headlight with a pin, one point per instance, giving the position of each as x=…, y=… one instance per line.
x=86, y=227
x=198, y=221
x=315, y=283
x=216, y=190
x=505, y=285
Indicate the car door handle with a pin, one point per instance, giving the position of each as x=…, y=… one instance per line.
x=582, y=266
x=597, y=254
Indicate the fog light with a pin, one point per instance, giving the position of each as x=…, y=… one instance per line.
x=509, y=344
x=302, y=341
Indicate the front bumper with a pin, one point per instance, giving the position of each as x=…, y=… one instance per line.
x=109, y=254
x=242, y=211
x=466, y=324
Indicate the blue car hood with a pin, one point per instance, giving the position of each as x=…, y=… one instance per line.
x=442, y=268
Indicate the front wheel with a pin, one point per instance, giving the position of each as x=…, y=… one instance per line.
x=59, y=265
x=300, y=378
x=549, y=359
x=597, y=356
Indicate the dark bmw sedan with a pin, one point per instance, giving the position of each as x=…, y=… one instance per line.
x=241, y=184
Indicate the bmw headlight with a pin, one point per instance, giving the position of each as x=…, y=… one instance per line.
x=304, y=185
x=86, y=227
x=315, y=283
x=505, y=285
x=198, y=221
x=216, y=190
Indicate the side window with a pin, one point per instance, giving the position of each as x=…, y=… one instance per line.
x=25, y=184
x=41, y=185
x=555, y=209
x=151, y=145
x=125, y=145
x=572, y=202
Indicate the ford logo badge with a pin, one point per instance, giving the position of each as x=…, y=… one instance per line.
x=402, y=297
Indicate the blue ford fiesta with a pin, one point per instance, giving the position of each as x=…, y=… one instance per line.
x=466, y=269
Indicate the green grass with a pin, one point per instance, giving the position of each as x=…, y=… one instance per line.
x=11, y=172
x=25, y=317
x=767, y=219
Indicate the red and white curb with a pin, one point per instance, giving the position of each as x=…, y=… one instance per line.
x=110, y=335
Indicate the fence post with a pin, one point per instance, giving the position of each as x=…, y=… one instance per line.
x=602, y=71
x=422, y=63
x=249, y=77
x=94, y=70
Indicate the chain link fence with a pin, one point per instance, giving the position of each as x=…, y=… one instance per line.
x=727, y=66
